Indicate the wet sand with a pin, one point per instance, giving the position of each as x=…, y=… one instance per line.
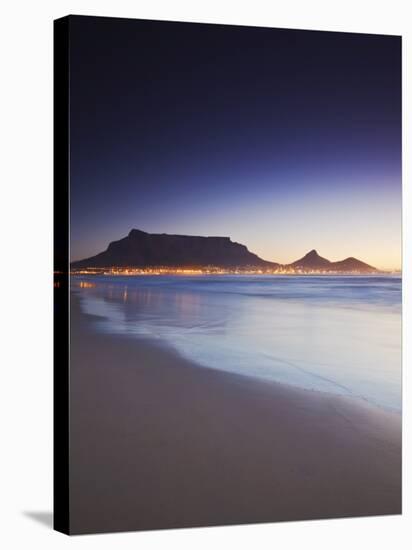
x=158, y=442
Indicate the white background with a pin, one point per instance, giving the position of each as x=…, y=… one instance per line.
x=26, y=270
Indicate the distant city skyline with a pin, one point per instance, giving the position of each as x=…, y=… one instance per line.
x=282, y=140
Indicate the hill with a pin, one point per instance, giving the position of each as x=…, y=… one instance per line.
x=313, y=262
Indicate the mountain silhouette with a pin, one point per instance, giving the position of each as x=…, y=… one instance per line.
x=141, y=249
x=352, y=264
x=313, y=262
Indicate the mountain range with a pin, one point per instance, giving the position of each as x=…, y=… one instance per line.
x=141, y=249
x=312, y=262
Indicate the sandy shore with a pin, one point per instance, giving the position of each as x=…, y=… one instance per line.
x=157, y=442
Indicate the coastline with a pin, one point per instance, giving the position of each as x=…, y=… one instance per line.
x=157, y=441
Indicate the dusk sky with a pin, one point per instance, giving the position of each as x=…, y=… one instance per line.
x=283, y=140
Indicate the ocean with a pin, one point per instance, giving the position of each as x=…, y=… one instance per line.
x=338, y=334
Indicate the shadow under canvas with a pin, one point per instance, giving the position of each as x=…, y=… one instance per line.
x=44, y=518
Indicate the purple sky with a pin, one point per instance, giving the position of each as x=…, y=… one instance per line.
x=283, y=140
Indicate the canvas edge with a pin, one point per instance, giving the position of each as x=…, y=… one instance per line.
x=61, y=503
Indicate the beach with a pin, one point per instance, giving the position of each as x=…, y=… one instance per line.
x=157, y=441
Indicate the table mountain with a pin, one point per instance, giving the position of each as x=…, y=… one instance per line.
x=141, y=249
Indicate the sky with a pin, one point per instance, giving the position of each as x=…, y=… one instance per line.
x=283, y=140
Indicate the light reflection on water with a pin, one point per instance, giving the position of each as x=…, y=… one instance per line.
x=337, y=334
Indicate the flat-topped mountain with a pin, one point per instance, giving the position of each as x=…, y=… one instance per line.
x=313, y=262
x=141, y=249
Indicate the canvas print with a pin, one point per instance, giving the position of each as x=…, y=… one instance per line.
x=228, y=280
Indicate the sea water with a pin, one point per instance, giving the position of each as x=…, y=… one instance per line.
x=339, y=334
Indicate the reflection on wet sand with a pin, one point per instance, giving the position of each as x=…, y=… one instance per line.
x=334, y=334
